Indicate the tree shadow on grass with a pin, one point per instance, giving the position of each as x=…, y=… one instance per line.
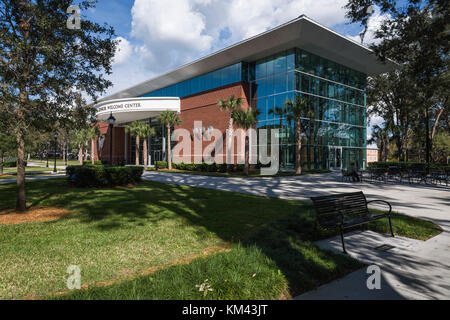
x=283, y=230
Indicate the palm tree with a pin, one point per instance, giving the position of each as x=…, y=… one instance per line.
x=231, y=105
x=134, y=130
x=145, y=131
x=92, y=133
x=169, y=118
x=280, y=113
x=246, y=120
x=80, y=140
x=295, y=111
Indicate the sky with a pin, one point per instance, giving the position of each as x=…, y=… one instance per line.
x=157, y=36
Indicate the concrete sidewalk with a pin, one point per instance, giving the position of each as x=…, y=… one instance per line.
x=52, y=176
x=412, y=270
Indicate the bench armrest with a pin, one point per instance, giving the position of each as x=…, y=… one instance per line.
x=383, y=201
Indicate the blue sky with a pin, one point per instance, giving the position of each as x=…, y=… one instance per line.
x=159, y=35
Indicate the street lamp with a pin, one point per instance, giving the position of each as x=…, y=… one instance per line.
x=56, y=144
x=111, y=121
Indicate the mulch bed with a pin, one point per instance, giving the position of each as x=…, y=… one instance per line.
x=10, y=216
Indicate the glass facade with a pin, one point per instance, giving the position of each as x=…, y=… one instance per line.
x=337, y=134
x=234, y=73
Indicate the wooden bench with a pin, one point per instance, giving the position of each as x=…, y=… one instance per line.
x=347, y=210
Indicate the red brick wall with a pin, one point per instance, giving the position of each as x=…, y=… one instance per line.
x=199, y=107
x=118, y=143
x=203, y=107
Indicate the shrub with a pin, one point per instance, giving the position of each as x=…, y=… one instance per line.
x=103, y=176
x=11, y=164
x=161, y=164
x=416, y=166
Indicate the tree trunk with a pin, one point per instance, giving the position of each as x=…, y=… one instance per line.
x=298, y=166
x=92, y=150
x=247, y=155
x=427, y=137
x=169, y=151
x=145, y=155
x=21, y=196
x=138, y=144
x=1, y=163
x=230, y=157
x=80, y=153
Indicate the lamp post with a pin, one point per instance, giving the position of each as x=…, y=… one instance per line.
x=56, y=144
x=111, y=121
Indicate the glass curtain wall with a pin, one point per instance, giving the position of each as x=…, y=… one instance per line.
x=337, y=135
x=228, y=75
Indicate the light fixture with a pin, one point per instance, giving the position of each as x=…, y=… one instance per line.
x=111, y=120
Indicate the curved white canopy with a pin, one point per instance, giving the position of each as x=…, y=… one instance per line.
x=131, y=109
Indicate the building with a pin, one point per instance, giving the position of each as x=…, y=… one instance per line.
x=372, y=154
x=300, y=57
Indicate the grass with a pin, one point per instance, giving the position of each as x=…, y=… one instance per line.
x=252, y=174
x=147, y=242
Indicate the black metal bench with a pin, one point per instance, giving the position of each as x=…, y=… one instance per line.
x=347, y=210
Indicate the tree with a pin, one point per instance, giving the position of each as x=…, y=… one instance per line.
x=380, y=136
x=145, y=131
x=81, y=136
x=92, y=134
x=246, y=120
x=44, y=66
x=231, y=105
x=135, y=130
x=169, y=118
x=416, y=35
x=297, y=109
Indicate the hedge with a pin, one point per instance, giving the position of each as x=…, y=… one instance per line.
x=161, y=164
x=103, y=176
x=11, y=164
x=417, y=166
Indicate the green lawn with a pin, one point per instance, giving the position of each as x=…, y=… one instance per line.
x=252, y=174
x=114, y=235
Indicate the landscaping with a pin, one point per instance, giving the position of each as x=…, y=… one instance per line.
x=223, y=170
x=160, y=241
x=103, y=176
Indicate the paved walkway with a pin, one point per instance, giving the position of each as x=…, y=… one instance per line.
x=412, y=270
x=44, y=177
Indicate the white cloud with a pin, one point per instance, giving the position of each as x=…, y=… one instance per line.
x=375, y=22
x=123, y=51
x=166, y=34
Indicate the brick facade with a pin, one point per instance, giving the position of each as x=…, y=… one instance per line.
x=199, y=107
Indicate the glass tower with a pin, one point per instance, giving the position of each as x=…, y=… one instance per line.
x=334, y=128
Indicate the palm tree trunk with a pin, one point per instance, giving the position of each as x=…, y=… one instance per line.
x=92, y=150
x=230, y=157
x=298, y=166
x=138, y=140
x=145, y=154
x=169, y=151
x=247, y=155
x=80, y=153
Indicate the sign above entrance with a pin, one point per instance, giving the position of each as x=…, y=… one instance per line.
x=131, y=109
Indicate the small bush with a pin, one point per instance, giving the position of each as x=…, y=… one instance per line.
x=103, y=176
x=161, y=164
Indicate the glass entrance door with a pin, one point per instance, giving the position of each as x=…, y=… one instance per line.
x=335, y=158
